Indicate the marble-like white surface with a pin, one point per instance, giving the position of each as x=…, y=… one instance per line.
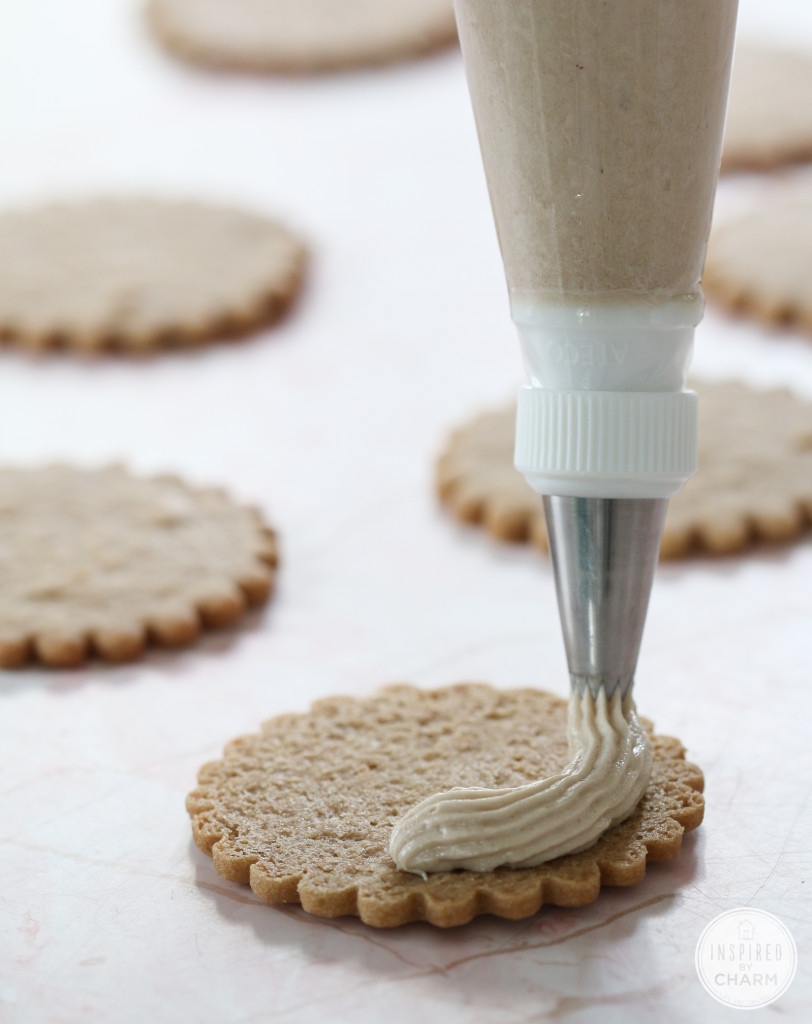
x=331, y=422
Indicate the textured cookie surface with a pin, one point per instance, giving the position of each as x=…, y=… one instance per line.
x=758, y=263
x=103, y=561
x=769, y=117
x=303, y=811
x=293, y=36
x=754, y=481
x=138, y=274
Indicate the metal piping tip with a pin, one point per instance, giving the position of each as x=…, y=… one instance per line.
x=604, y=553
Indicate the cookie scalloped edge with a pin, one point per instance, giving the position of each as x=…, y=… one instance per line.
x=218, y=611
x=505, y=892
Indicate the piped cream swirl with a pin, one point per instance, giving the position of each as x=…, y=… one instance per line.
x=481, y=829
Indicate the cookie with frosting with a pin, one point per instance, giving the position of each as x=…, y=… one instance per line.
x=304, y=810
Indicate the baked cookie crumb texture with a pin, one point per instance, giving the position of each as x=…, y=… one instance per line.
x=102, y=561
x=303, y=812
x=754, y=482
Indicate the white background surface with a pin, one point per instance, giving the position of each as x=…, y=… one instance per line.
x=331, y=423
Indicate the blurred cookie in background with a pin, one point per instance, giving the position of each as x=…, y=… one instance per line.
x=754, y=482
x=301, y=36
x=138, y=275
x=769, y=118
x=759, y=262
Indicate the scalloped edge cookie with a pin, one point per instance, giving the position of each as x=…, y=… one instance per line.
x=303, y=811
x=758, y=262
x=138, y=275
x=103, y=562
x=754, y=482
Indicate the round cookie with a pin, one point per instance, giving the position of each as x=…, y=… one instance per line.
x=304, y=810
x=301, y=36
x=758, y=263
x=141, y=274
x=754, y=481
x=101, y=561
x=769, y=116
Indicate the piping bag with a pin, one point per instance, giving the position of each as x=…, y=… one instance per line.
x=600, y=125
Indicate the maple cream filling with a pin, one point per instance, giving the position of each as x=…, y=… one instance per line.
x=480, y=829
